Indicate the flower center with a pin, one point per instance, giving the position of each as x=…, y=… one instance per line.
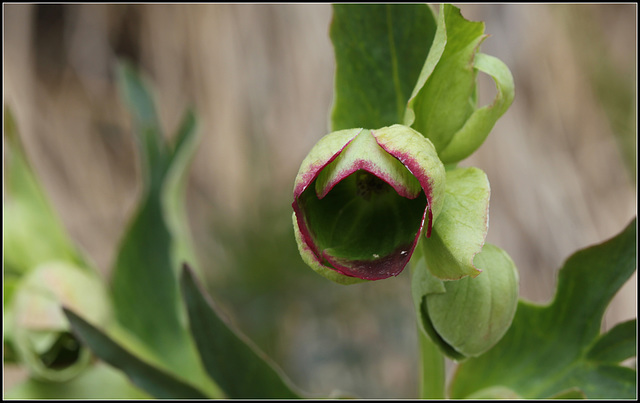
x=368, y=184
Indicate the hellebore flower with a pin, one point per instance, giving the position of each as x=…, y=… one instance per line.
x=361, y=200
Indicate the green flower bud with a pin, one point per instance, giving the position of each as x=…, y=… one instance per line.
x=361, y=200
x=41, y=333
x=472, y=314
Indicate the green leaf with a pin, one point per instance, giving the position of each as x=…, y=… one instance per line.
x=548, y=348
x=237, y=366
x=144, y=282
x=98, y=382
x=32, y=231
x=460, y=229
x=444, y=98
x=476, y=129
x=140, y=102
x=616, y=345
x=174, y=189
x=379, y=51
x=155, y=381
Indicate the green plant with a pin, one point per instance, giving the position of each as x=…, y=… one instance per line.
x=380, y=192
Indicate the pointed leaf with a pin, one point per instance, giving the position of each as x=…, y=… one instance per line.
x=379, y=50
x=139, y=100
x=546, y=350
x=237, y=367
x=460, y=229
x=174, y=188
x=144, y=284
x=156, y=382
x=616, y=345
x=144, y=281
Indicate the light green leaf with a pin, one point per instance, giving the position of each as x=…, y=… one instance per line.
x=476, y=129
x=231, y=360
x=379, y=50
x=460, y=229
x=174, y=189
x=32, y=231
x=547, y=348
x=100, y=381
x=444, y=96
x=155, y=381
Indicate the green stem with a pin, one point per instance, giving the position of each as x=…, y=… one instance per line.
x=431, y=369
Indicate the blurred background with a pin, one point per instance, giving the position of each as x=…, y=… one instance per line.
x=562, y=161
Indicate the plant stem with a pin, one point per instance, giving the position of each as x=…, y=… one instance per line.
x=431, y=369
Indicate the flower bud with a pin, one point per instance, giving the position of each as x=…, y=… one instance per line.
x=473, y=314
x=41, y=332
x=361, y=200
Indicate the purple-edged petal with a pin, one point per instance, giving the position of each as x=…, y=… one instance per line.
x=364, y=153
x=310, y=258
x=418, y=154
x=325, y=151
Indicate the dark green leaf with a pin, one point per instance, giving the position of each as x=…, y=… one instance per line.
x=231, y=360
x=144, y=284
x=546, y=349
x=616, y=345
x=380, y=50
x=155, y=381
